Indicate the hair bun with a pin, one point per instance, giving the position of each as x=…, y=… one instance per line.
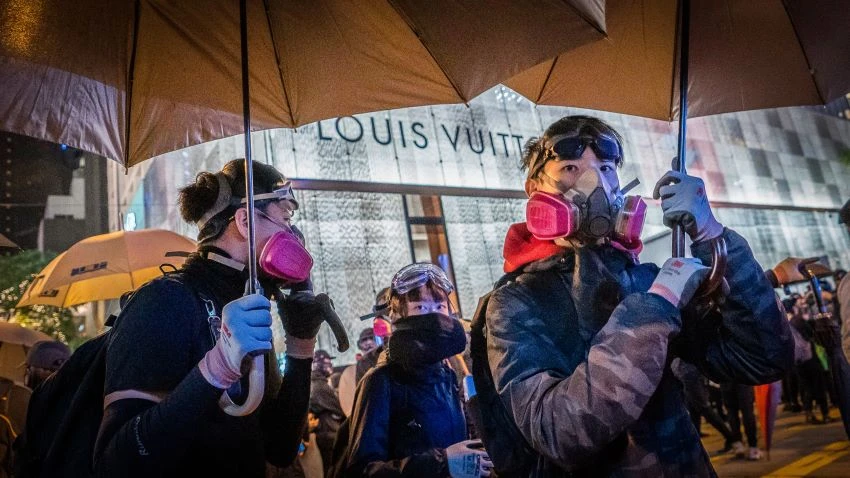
x=197, y=198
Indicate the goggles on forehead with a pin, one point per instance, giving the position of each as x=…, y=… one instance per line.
x=225, y=198
x=572, y=146
x=418, y=274
x=279, y=194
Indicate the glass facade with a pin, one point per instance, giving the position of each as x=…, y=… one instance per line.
x=358, y=241
x=774, y=175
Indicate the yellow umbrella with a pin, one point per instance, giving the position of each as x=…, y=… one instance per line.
x=106, y=266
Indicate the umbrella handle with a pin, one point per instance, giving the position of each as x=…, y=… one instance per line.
x=256, y=386
x=716, y=281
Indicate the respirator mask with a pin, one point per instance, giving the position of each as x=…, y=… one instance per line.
x=284, y=256
x=590, y=210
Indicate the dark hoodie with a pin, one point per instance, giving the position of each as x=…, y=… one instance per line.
x=579, y=354
x=161, y=335
x=402, y=422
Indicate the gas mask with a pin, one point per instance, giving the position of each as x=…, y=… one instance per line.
x=285, y=258
x=588, y=211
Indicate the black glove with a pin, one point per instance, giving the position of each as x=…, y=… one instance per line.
x=302, y=314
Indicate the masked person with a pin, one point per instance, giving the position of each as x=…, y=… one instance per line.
x=178, y=345
x=371, y=344
x=580, y=335
x=407, y=418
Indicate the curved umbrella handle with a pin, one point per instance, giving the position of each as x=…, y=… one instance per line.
x=334, y=322
x=256, y=387
x=716, y=280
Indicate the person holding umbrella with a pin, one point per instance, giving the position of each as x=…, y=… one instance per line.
x=178, y=349
x=580, y=334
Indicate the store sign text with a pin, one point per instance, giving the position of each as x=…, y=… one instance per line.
x=416, y=134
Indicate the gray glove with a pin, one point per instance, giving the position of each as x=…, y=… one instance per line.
x=684, y=202
x=678, y=279
x=468, y=459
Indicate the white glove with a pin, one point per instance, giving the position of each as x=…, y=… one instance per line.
x=684, y=202
x=467, y=459
x=678, y=279
x=245, y=330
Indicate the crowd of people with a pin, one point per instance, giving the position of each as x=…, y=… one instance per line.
x=581, y=362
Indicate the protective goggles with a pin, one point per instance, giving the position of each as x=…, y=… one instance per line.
x=418, y=274
x=572, y=146
x=225, y=198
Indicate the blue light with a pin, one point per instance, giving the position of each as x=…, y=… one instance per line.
x=63, y=146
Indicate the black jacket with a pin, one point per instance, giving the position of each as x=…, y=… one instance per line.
x=579, y=353
x=324, y=404
x=160, y=337
x=403, y=421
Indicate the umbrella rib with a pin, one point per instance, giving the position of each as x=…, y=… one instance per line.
x=586, y=19
x=409, y=23
x=130, y=74
x=823, y=99
x=546, y=81
x=279, y=66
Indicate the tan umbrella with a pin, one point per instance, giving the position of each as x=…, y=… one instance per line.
x=15, y=342
x=13, y=333
x=743, y=55
x=6, y=243
x=701, y=57
x=132, y=80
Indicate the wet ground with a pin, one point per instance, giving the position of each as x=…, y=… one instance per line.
x=798, y=449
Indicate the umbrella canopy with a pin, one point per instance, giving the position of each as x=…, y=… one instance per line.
x=12, y=333
x=15, y=342
x=5, y=243
x=743, y=55
x=131, y=80
x=105, y=266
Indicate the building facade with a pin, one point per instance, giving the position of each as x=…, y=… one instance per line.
x=443, y=183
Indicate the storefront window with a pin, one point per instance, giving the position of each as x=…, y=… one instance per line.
x=476, y=231
x=358, y=241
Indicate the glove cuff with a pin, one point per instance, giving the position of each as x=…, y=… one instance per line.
x=711, y=230
x=216, y=371
x=665, y=293
x=300, y=348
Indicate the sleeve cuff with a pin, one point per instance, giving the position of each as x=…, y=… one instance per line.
x=300, y=348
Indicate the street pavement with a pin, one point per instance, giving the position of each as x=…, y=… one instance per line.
x=798, y=450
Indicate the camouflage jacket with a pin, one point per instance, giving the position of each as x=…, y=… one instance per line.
x=580, y=354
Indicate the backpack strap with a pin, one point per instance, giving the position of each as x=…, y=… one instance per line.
x=205, y=301
x=507, y=447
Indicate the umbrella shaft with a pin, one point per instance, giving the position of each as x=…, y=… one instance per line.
x=684, y=37
x=252, y=285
